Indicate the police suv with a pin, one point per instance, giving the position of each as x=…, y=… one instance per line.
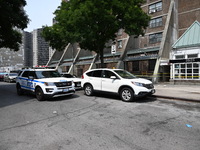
x=44, y=83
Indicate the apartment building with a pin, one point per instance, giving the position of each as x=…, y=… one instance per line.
x=40, y=49
x=11, y=60
x=27, y=45
x=146, y=56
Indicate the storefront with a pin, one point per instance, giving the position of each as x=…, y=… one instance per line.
x=185, y=57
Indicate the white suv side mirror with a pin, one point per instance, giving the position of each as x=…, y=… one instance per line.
x=113, y=77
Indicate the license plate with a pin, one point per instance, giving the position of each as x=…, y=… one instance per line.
x=78, y=84
x=65, y=90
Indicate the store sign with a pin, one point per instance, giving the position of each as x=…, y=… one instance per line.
x=185, y=60
x=113, y=49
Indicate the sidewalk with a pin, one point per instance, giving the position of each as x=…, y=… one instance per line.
x=180, y=92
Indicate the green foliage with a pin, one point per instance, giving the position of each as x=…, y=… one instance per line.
x=12, y=18
x=92, y=23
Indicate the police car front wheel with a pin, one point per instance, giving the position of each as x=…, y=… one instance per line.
x=19, y=90
x=39, y=94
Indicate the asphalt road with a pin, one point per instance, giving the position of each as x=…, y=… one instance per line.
x=96, y=123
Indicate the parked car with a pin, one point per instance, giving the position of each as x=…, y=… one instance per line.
x=44, y=83
x=10, y=77
x=2, y=74
x=77, y=81
x=119, y=81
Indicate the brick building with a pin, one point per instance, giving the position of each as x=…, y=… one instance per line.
x=146, y=56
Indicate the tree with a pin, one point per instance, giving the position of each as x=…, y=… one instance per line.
x=12, y=19
x=92, y=23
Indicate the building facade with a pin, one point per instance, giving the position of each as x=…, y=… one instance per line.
x=185, y=56
x=146, y=56
x=40, y=49
x=11, y=60
x=27, y=45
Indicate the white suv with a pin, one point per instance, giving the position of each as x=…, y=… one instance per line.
x=116, y=81
x=45, y=83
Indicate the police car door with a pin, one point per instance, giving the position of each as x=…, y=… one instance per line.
x=30, y=83
x=24, y=80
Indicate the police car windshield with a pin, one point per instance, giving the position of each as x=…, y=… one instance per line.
x=47, y=74
x=125, y=74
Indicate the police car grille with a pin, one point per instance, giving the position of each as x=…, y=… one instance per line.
x=62, y=84
x=148, y=86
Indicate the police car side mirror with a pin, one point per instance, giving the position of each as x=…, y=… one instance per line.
x=31, y=77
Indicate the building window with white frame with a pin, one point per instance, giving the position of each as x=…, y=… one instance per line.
x=157, y=22
x=187, y=70
x=119, y=43
x=155, y=7
x=155, y=38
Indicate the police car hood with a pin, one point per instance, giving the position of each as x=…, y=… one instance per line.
x=58, y=79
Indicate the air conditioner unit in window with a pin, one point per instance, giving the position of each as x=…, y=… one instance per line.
x=152, y=11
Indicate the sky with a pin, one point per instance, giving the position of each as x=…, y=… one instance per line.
x=40, y=13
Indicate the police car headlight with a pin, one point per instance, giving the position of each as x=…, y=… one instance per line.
x=137, y=83
x=49, y=83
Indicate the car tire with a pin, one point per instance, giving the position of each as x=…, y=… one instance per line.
x=127, y=94
x=39, y=94
x=19, y=90
x=88, y=89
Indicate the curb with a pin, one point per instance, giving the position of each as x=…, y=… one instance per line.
x=176, y=98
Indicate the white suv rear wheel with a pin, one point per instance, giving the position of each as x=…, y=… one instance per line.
x=88, y=90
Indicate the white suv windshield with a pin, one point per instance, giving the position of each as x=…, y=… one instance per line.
x=47, y=74
x=125, y=74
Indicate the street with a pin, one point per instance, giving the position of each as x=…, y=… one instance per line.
x=97, y=122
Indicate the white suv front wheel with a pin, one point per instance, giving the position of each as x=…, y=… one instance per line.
x=127, y=94
x=88, y=89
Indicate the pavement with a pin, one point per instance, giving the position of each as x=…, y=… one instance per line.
x=178, y=92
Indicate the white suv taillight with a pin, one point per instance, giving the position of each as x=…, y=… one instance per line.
x=82, y=76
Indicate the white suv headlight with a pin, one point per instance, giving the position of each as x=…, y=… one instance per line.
x=49, y=84
x=137, y=83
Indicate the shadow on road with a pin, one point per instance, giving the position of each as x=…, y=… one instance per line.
x=117, y=97
x=8, y=95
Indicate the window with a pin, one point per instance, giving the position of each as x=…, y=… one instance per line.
x=97, y=73
x=119, y=43
x=154, y=38
x=32, y=73
x=108, y=74
x=155, y=22
x=180, y=56
x=152, y=64
x=135, y=66
x=25, y=74
x=187, y=71
x=192, y=55
x=155, y=7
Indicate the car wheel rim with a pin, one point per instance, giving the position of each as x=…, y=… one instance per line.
x=39, y=94
x=126, y=95
x=88, y=90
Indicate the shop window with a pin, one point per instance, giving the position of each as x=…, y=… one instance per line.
x=156, y=22
x=192, y=55
x=179, y=56
x=135, y=65
x=154, y=38
x=152, y=65
x=155, y=7
x=187, y=71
